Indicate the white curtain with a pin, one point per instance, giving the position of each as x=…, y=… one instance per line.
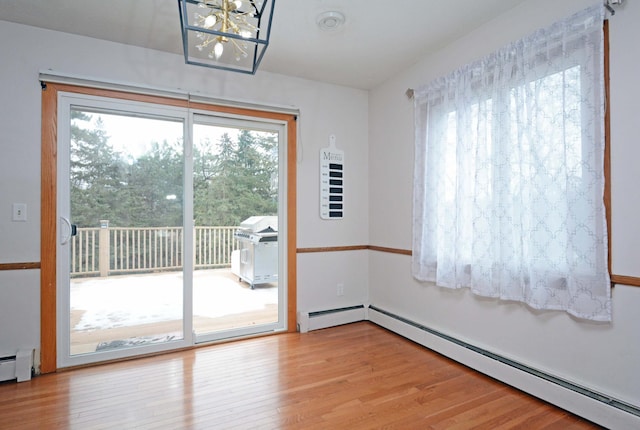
x=509, y=179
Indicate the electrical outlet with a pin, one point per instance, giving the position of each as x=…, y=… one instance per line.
x=19, y=211
x=340, y=289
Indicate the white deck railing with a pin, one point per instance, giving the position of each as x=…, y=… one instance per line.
x=116, y=250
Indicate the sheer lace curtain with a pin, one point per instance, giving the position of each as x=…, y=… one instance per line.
x=509, y=177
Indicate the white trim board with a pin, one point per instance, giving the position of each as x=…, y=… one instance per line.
x=581, y=401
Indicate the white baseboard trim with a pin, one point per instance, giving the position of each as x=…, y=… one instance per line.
x=581, y=401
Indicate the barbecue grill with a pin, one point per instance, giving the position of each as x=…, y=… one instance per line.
x=256, y=260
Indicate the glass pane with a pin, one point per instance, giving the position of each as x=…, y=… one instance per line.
x=126, y=191
x=235, y=184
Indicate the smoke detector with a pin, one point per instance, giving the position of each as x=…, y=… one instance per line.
x=330, y=20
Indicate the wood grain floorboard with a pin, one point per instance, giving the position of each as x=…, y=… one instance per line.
x=357, y=376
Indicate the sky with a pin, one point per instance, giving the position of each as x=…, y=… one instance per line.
x=133, y=136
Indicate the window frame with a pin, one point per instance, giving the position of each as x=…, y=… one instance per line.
x=48, y=217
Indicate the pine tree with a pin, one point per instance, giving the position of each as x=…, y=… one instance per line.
x=154, y=187
x=234, y=179
x=96, y=172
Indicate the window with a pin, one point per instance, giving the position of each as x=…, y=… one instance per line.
x=509, y=173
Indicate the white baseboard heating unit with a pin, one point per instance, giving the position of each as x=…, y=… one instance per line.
x=308, y=321
x=580, y=400
x=16, y=366
x=594, y=406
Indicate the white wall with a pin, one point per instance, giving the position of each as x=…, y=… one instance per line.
x=376, y=132
x=325, y=109
x=603, y=357
x=19, y=311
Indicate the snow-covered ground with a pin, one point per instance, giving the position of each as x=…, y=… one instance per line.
x=129, y=300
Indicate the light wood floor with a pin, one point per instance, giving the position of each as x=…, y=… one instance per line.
x=357, y=376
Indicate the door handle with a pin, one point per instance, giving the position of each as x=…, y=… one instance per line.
x=73, y=230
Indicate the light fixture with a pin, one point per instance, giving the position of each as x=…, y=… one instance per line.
x=226, y=34
x=330, y=20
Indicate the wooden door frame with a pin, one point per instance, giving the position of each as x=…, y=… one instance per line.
x=48, y=201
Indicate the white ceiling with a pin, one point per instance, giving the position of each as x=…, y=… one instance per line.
x=379, y=38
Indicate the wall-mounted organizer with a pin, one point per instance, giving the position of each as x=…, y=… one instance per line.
x=331, y=181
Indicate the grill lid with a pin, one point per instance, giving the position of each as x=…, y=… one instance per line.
x=258, y=229
x=257, y=224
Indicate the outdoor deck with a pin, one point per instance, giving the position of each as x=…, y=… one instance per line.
x=107, y=311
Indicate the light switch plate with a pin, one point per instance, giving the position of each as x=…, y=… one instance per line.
x=19, y=212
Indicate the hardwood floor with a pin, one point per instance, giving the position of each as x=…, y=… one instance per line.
x=357, y=376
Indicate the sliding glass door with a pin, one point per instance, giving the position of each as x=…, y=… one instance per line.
x=168, y=226
x=121, y=283
x=236, y=184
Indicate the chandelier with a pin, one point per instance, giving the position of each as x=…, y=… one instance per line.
x=226, y=34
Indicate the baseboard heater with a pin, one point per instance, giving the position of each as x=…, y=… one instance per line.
x=16, y=366
x=589, y=410
x=308, y=321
